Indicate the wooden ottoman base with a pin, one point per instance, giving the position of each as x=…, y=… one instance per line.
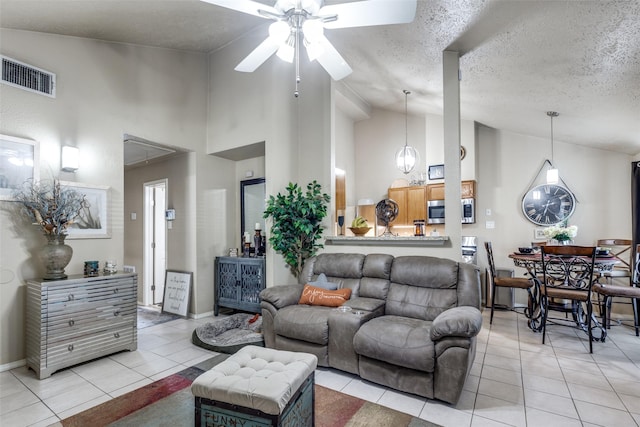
x=299, y=411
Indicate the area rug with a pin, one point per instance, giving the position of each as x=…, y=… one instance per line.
x=169, y=402
x=150, y=317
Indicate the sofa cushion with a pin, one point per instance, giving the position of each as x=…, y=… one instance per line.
x=397, y=340
x=303, y=322
x=313, y=295
x=322, y=282
x=422, y=287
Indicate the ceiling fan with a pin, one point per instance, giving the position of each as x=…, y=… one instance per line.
x=303, y=22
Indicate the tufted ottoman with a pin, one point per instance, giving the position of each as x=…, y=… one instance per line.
x=257, y=386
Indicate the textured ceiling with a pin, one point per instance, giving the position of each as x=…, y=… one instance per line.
x=519, y=58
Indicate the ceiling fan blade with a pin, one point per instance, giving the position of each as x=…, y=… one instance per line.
x=246, y=6
x=332, y=61
x=257, y=57
x=368, y=13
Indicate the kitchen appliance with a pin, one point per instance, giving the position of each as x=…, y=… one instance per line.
x=435, y=211
x=469, y=249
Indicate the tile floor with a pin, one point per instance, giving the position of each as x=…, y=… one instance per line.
x=515, y=379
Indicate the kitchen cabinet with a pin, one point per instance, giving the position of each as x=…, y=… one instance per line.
x=467, y=190
x=238, y=282
x=412, y=203
x=79, y=319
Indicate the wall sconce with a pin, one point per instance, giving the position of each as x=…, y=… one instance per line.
x=70, y=159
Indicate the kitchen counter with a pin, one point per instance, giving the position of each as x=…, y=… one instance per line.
x=387, y=240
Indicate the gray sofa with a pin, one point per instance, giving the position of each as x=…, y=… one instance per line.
x=412, y=326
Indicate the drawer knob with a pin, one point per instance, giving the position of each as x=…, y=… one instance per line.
x=116, y=290
x=70, y=348
x=117, y=334
x=71, y=297
x=72, y=322
x=116, y=313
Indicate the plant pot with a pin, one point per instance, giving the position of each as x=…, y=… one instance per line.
x=55, y=255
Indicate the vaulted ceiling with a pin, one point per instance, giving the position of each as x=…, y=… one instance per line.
x=519, y=58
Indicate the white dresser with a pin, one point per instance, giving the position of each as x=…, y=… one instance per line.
x=78, y=319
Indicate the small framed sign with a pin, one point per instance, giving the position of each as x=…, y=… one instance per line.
x=177, y=289
x=436, y=172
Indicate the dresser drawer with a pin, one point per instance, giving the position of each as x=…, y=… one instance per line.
x=79, y=326
x=80, y=348
x=72, y=299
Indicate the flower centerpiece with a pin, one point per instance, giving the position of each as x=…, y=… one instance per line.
x=52, y=207
x=562, y=234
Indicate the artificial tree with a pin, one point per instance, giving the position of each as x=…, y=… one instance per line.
x=296, y=228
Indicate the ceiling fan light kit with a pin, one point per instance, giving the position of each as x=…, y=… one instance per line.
x=302, y=22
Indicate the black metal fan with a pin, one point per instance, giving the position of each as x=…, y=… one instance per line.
x=386, y=212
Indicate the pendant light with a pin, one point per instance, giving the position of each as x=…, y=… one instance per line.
x=552, y=174
x=407, y=157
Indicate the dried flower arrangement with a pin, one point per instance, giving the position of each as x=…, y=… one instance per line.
x=49, y=204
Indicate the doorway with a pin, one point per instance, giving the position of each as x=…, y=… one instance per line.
x=155, y=241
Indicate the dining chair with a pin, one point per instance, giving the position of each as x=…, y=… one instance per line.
x=505, y=282
x=567, y=273
x=621, y=250
x=609, y=291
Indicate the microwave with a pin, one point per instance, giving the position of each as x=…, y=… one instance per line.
x=435, y=211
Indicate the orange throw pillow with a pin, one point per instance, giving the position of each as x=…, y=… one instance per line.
x=314, y=295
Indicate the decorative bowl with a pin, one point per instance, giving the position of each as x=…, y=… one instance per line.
x=359, y=231
x=525, y=250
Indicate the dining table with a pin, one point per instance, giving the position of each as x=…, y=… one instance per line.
x=532, y=262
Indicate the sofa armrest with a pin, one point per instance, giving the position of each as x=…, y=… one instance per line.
x=461, y=321
x=282, y=296
x=366, y=304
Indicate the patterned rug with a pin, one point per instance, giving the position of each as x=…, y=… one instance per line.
x=169, y=402
x=149, y=317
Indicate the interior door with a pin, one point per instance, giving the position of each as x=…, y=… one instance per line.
x=155, y=259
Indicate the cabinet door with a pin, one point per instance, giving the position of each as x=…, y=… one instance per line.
x=399, y=195
x=435, y=192
x=227, y=284
x=416, y=204
x=468, y=190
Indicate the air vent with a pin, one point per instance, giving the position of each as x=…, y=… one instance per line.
x=28, y=77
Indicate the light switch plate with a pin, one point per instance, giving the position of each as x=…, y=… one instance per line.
x=490, y=224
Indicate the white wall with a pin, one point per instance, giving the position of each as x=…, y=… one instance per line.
x=246, y=108
x=104, y=90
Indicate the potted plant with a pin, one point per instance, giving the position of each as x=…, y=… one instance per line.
x=296, y=228
x=53, y=207
x=563, y=234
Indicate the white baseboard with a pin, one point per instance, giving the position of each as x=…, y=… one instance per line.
x=13, y=365
x=201, y=315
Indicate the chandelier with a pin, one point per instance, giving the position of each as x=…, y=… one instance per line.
x=407, y=157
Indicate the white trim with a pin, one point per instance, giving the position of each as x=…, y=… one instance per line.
x=13, y=365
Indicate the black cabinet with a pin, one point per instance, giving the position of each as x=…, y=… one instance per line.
x=238, y=282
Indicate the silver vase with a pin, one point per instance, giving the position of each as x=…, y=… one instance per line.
x=55, y=255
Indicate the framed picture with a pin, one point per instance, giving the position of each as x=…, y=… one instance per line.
x=436, y=172
x=19, y=161
x=177, y=288
x=538, y=234
x=93, y=221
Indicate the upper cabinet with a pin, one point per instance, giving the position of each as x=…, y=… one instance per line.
x=436, y=191
x=412, y=203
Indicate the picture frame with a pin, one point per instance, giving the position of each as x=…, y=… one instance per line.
x=436, y=172
x=19, y=161
x=538, y=234
x=94, y=221
x=177, y=291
